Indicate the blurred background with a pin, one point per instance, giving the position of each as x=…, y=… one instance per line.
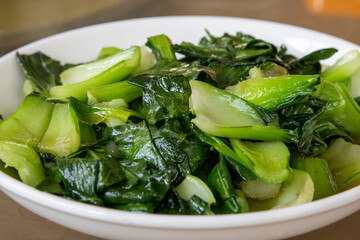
x=24, y=21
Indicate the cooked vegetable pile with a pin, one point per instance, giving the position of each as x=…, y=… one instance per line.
x=231, y=125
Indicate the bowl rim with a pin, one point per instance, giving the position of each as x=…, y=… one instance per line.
x=164, y=221
x=174, y=18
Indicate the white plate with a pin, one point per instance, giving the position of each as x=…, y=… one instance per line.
x=83, y=45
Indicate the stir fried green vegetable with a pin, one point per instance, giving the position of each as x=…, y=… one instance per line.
x=233, y=125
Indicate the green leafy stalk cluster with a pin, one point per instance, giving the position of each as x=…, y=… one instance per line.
x=234, y=125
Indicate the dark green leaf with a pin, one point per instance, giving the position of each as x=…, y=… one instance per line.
x=194, y=51
x=41, y=70
x=242, y=172
x=85, y=178
x=143, y=184
x=164, y=97
x=310, y=64
x=183, y=151
x=190, y=71
x=317, y=134
x=197, y=206
x=235, y=204
x=227, y=75
x=171, y=204
x=219, y=181
x=137, y=207
x=134, y=141
x=50, y=185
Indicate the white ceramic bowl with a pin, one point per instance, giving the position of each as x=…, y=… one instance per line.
x=84, y=44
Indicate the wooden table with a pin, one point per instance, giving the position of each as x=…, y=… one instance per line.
x=23, y=21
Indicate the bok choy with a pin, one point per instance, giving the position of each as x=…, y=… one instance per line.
x=229, y=125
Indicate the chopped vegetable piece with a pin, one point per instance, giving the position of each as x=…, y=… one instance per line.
x=95, y=114
x=223, y=114
x=195, y=186
x=297, y=189
x=343, y=159
x=148, y=60
x=267, y=160
x=335, y=103
x=324, y=183
x=349, y=118
x=232, y=159
x=63, y=134
x=29, y=123
x=276, y=92
x=344, y=68
x=24, y=159
x=114, y=73
x=354, y=86
x=259, y=189
x=161, y=46
x=12, y=172
x=122, y=89
x=108, y=51
x=87, y=71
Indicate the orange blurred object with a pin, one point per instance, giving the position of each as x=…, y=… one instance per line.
x=334, y=7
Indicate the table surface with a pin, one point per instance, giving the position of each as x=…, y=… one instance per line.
x=23, y=21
